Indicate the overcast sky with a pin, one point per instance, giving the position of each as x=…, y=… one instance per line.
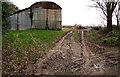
x=73, y=11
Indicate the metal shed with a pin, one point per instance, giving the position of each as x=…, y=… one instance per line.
x=41, y=15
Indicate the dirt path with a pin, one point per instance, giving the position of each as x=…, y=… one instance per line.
x=70, y=57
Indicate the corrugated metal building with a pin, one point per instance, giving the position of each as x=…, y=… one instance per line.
x=40, y=15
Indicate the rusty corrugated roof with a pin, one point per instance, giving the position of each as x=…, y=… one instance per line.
x=46, y=5
x=41, y=4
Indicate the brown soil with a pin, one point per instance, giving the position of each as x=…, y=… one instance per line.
x=70, y=57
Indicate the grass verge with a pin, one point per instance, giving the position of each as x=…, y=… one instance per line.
x=75, y=36
x=92, y=36
x=21, y=47
x=111, y=38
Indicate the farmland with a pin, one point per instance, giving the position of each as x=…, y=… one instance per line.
x=74, y=52
x=77, y=53
x=22, y=47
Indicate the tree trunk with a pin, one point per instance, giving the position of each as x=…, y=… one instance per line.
x=109, y=20
x=118, y=23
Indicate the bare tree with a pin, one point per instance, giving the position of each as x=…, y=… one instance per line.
x=107, y=8
x=117, y=13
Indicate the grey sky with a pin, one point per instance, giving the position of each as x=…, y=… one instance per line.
x=73, y=11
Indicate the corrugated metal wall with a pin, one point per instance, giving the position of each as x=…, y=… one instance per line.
x=24, y=20
x=13, y=22
x=54, y=19
x=39, y=18
x=42, y=19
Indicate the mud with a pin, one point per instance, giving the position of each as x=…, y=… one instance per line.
x=70, y=57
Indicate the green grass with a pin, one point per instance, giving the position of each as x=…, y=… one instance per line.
x=112, y=38
x=92, y=36
x=75, y=36
x=20, y=47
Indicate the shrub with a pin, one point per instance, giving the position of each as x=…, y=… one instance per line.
x=115, y=33
x=97, y=28
x=111, y=40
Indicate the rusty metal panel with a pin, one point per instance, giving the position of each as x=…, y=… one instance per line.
x=44, y=17
x=47, y=15
x=59, y=20
x=46, y=5
x=39, y=18
x=54, y=19
x=13, y=22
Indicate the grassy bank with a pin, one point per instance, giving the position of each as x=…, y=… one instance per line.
x=100, y=34
x=21, y=47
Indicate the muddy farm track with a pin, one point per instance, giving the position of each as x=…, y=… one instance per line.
x=74, y=57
